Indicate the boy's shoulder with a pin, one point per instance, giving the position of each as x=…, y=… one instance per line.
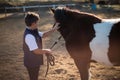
x=29, y=36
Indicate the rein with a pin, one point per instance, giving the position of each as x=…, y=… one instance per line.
x=50, y=57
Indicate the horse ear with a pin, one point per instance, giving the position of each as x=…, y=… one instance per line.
x=53, y=10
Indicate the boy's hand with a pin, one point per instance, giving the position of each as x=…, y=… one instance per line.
x=47, y=33
x=47, y=51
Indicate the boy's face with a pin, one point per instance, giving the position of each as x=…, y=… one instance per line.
x=34, y=25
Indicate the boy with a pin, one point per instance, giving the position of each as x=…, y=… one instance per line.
x=32, y=45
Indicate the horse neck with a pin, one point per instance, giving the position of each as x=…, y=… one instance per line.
x=64, y=32
x=78, y=23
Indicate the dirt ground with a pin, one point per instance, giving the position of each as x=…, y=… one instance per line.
x=11, y=54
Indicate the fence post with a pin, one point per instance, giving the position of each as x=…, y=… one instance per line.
x=53, y=6
x=24, y=10
x=5, y=12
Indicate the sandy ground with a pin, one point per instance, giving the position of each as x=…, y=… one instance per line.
x=11, y=54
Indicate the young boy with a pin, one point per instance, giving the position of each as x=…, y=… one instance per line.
x=32, y=45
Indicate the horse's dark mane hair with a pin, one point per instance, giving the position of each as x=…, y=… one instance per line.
x=77, y=13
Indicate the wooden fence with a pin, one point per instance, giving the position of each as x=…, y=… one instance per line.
x=37, y=6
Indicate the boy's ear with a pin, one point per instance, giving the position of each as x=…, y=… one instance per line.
x=53, y=10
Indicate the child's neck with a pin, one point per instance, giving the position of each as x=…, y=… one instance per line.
x=32, y=28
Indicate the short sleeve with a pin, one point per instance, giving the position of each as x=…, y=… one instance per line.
x=31, y=42
x=41, y=34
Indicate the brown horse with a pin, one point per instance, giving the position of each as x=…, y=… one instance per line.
x=88, y=37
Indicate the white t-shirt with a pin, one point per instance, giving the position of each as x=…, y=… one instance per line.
x=31, y=42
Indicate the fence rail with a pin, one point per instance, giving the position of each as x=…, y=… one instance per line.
x=37, y=6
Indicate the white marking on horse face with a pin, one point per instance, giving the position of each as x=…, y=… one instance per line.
x=100, y=44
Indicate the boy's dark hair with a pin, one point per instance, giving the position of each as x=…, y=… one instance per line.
x=30, y=18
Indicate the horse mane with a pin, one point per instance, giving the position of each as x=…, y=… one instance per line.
x=77, y=13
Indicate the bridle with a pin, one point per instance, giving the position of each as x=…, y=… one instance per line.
x=50, y=57
x=57, y=39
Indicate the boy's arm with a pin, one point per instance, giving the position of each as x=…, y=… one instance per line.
x=32, y=45
x=47, y=33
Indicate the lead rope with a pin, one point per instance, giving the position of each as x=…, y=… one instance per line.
x=50, y=57
x=50, y=61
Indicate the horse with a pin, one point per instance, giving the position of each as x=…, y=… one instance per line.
x=89, y=38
